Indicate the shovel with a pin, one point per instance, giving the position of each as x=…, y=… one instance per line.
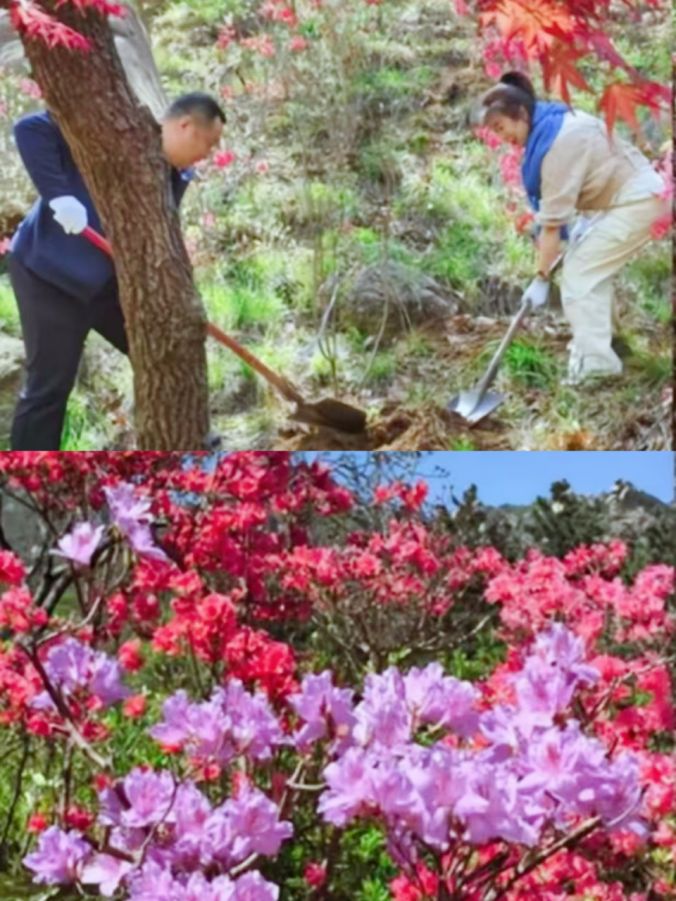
x=478, y=402
x=328, y=412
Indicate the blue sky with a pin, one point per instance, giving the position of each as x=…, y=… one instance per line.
x=516, y=477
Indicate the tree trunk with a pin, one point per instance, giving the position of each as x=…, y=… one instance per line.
x=116, y=145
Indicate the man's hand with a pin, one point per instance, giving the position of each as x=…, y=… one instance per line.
x=70, y=214
x=537, y=292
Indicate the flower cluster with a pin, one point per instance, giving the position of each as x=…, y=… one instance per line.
x=569, y=723
x=584, y=589
x=523, y=773
x=416, y=752
x=76, y=670
x=163, y=834
x=232, y=724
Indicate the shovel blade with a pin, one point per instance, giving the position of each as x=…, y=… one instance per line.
x=333, y=414
x=473, y=407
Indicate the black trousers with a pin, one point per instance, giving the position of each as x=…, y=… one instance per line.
x=55, y=326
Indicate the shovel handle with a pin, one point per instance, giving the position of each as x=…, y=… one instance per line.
x=97, y=240
x=491, y=372
x=494, y=365
x=284, y=386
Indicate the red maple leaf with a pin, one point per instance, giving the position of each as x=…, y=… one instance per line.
x=29, y=18
x=621, y=101
x=526, y=22
x=559, y=71
x=32, y=20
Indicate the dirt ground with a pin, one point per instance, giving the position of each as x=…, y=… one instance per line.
x=396, y=428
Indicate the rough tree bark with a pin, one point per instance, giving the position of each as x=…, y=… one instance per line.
x=116, y=144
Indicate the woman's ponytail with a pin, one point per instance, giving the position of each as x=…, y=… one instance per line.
x=511, y=96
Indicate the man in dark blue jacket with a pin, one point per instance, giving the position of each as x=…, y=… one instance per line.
x=65, y=286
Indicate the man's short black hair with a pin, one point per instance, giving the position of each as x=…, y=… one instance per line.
x=198, y=105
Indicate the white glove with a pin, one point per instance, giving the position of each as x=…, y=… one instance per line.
x=537, y=292
x=70, y=214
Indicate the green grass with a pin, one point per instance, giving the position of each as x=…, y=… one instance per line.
x=379, y=162
x=418, y=345
x=530, y=365
x=278, y=356
x=9, y=312
x=222, y=367
x=654, y=369
x=463, y=444
x=382, y=368
x=459, y=193
x=649, y=278
x=325, y=203
x=517, y=254
x=238, y=306
x=385, y=84
x=459, y=257
x=372, y=247
x=84, y=428
x=320, y=367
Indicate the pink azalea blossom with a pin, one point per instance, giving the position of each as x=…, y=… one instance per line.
x=80, y=543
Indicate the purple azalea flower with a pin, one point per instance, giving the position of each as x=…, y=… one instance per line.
x=218, y=838
x=393, y=793
x=256, y=824
x=150, y=795
x=492, y=808
x=153, y=882
x=141, y=540
x=58, y=857
x=80, y=543
x=551, y=759
x=254, y=727
x=191, y=810
x=553, y=671
x=126, y=507
x=438, y=777
x=198, y=888
x=383, y=717
x=349, y=786
x=69, y=665
x=106, y=872
x=541, y=688
x=110, y=807
x=509, y=729
x=106, y=680
x=442, y=700
x=131, y=514
x=73, y=666
x=253, y=887
x=617, y=796
x=325, y=709
x=230, y=724
x=560, y=647
x=532, y=774
x=174, y=730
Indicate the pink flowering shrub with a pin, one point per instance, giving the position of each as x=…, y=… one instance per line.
x=237, y=708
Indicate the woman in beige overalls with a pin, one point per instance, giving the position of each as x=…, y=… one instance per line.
x=573, y=166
